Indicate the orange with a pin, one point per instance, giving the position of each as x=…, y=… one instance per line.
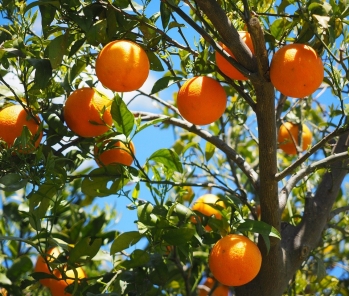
x=227, y=68
x=118, y=153
x=57, y=286
x=87, y=113
x=122, y=66
x=201, y=100
x=296, y=70
x=41, y=265
x=220, y=290
x=12, y=121
x=289, y=136
x=235, y=260
x=203, y=205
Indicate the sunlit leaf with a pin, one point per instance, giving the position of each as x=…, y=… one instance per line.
x=124, y=241
x=168, y=158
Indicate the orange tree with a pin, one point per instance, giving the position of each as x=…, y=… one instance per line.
x=292, y=206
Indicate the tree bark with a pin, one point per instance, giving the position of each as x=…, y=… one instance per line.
x=299, y=240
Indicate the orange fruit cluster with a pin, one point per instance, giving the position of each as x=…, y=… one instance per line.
x=57, y=285
x=121, y=66
x=235, y=260
x=12, y=121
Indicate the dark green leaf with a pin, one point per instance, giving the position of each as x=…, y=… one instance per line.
x=123, y=118
x=56, y=50
x=163, y=83
x=165, y=14
x=12, y=182
x=43, y=72
x=48, y=12
x=155, y=62
x=320, y=269
x=85, y=247
x=260, y=227
x=94, y=226
x=175, y=25
x=20, y=266
x=76, y=46
x=124, y=241
x=97, y=33
x=178, y=236
x=97, y=183
x=168, y=158
x=137, y=258
x=121, y=3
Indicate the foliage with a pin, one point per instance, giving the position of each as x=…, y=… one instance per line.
x=53, y=196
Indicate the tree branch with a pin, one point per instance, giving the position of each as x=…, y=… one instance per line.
x=229, y=35
x=303, y=238
x=289, y=170
x=220, y=144
x=291, y=183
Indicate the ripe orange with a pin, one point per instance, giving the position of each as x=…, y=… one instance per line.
x=203, y=205
x=289, y=136
x=220, y=290
x=235, y=260
x=227, y=68
x=122, y=66
x=119, y=153
x=296, y=70
x=87, y=113
x=41, y=265
x=12, y=121
x=201, y=100
x=58, y=286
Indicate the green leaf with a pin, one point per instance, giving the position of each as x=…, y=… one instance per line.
x=20, y=266
x=43, y=72
x=12, y=182
x=44, y=2
x=209, y=150
x=155, y=62
x=175, y=25
x=85, y=247
x=137, y=258
x=165, y=12
x=56, y=50
x=164, y=83
x=178, y=236
x=121, y=3
x=94, y=226
x=159, y=273
x=278, y=28
x=39, y=201
x=124, y=241
x=97, y=33
x=48, y=12
x=97, y=183
x=320, y=268
x=4, y=279
x=260, y=227
x=123, y=118
x=151, y=123
x=168, y=158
